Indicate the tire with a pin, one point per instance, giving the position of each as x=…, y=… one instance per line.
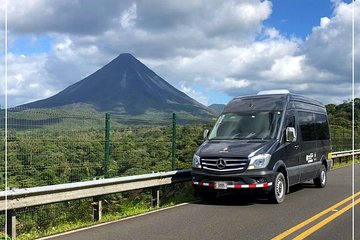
x=277, y=193
x=320, y=181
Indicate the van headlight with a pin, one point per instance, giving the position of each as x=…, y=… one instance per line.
x=196, y=161
x=259, y=161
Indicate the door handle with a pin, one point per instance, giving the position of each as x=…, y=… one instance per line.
x=296, y=147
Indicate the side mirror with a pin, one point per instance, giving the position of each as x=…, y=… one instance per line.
x=290, y=134
x=206, y=133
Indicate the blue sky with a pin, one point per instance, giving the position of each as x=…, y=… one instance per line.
x=298, y=17
x=212, y=50
x=29, y=45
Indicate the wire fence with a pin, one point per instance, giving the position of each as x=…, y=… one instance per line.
x=47, y=147
x=341, y=138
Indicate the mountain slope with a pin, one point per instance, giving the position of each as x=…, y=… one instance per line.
x=217, y=107
x=125, y=84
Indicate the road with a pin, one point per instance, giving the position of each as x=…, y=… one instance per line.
x=244, y=217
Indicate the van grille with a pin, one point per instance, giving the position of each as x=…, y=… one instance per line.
x=224, y=164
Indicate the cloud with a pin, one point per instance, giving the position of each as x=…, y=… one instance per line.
x=194, y=94
x=212, y=46
x=212, y=18
x=237, y=70
x=76, y=17
x=69, y=62
x=128, y=17
x=231, y=83
x=26, y=78
x=328, y=47
x=285, y=68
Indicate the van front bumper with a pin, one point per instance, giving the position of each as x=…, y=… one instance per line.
x=260, y=179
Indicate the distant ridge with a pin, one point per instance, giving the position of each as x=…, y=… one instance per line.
x=217, y=107
x=125, y=84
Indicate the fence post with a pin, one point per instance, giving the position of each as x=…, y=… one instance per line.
x=107, y=145
x=343, y=140
x=332, y=138
x=173, y=152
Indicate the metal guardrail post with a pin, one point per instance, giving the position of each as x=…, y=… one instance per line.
x=97, y=208
x=107, y=145
x=155, y=192
x=173, y=152
x=11, y=224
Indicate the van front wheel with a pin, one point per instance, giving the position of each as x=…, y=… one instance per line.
x=277, y=193
x=320, y=181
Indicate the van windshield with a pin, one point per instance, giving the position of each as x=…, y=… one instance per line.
x=252, y=125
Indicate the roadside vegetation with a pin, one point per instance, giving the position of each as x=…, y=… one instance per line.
x=63, y=148
x=345, y=163
x=116, y=207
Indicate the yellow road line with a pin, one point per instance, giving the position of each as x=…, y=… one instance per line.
x=310, y=220
x=325, y=221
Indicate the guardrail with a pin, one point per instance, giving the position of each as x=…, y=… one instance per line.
x=29, y=197
x=345, y=155
x=21, y=198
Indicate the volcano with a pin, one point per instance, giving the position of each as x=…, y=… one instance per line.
x=127, y=84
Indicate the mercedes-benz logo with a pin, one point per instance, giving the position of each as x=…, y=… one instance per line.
x=221, y=163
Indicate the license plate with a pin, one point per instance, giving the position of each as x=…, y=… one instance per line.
x=220, y=185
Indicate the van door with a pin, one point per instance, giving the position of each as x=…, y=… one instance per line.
x=309, y=158
x=292, y=151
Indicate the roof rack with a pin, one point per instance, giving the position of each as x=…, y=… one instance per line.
x=276, y=91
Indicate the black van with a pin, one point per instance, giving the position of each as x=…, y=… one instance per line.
x=267, y=142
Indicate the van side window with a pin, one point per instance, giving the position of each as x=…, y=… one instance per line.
x=321, y=127
x=307, y=126
x=313, y=126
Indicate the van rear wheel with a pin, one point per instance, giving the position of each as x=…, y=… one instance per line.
x=277, y=193
x=320, y=181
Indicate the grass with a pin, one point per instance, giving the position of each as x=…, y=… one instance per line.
x=344, y=164
x=128, y=208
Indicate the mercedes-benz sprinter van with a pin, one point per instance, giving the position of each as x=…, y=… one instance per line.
x=268, y=142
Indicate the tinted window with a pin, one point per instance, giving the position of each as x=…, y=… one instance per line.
x=313, y=126
x=310, y=107
x=321, y=127
x=307, y=127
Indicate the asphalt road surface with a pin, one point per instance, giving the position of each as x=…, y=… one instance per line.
x=306, y=213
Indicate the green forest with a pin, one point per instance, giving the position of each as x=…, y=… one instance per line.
x=52, y=147
x=341, y=114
